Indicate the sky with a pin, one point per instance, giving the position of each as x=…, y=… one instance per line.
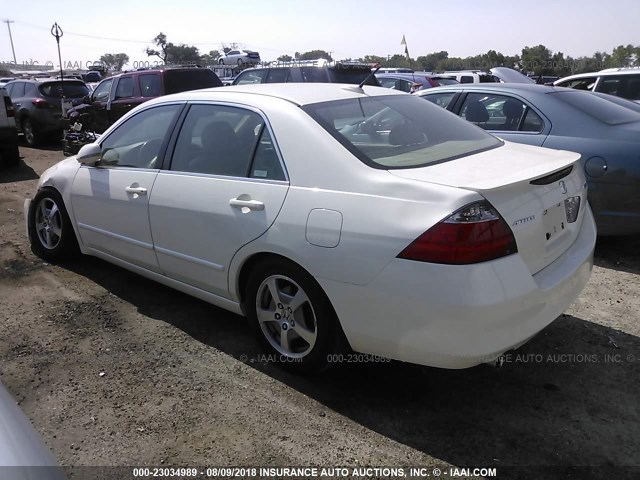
x=347, y=28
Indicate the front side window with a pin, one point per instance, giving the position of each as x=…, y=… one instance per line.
x=625, y=86
x=223, y=140
x=399, y=131
x=124, y=88
x=466, y=79
x=137, y=141
x=251, y=76
x=101, y=93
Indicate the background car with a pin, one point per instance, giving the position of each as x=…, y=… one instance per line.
x=38, y=106
x=620, y=82
x=23, y=454
x=605, y=130
x=9, y=154
x=309, y=71
x=331, y=217
x=239, y=57
x=5, y=80
x=411, y=82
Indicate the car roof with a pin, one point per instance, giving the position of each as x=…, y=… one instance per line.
x=297, y=93
x=602, y=73
x=512, y=87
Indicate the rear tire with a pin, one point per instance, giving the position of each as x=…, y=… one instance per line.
x=50, y=231
x=31, y=135
x=291, y=316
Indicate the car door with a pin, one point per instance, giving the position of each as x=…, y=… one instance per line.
x=223, y=188
x=124, y=97
x=99, y=102
x=111, y=200
x=506, y=116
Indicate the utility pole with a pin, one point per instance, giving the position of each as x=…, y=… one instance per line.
x=9, y=22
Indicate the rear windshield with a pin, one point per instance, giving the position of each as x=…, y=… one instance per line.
x=193, y=79
x=597, y=107
x=352, y=74
x=399, y=131
x=70, y=89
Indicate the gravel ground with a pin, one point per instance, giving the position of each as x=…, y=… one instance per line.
x=114, y=369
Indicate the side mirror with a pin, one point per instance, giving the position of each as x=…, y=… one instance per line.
x=89, y=154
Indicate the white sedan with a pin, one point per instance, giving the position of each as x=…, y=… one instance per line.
x=332, y=216
x=239, y=57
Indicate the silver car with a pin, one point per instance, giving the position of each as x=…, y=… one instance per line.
x=21, y=447
x=240, y=57
x=604, y=129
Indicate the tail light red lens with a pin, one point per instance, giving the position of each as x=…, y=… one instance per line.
x=8, y=105
x=40, y=103
x=475, y=233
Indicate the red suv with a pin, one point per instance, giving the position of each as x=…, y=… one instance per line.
x=115, y=96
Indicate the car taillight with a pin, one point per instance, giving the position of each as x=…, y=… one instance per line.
x=8, y=105
x=40, y=103
x=475, y=233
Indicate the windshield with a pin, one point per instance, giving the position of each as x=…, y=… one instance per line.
x=399, y=131
x=605, y=111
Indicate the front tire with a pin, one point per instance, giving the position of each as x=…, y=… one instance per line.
x=50, y=231
x=291, y=316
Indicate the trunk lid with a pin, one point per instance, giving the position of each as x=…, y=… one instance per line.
x=536, y=212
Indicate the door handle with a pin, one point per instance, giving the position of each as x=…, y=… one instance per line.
x=138, y=190
x=250, y=204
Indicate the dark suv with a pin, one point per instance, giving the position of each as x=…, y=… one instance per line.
x=317, y=71
x=115, y=96
x=38, y=105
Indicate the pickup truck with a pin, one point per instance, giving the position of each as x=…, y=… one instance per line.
x=115, y=96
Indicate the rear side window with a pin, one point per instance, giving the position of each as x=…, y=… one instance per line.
x=598, y=108
x=446, y=81
x=314, y=75
x=625, y=86
x=17, y=89
x=279, y=75
x=150, y=85
x=466, y=79
x=580, y=84
x=192, y=79
x=71, y=90
x=399, y=131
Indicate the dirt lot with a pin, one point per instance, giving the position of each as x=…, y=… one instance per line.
x=114, y=369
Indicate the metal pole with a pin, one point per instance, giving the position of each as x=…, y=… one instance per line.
x=57, y=32
x=8, y=22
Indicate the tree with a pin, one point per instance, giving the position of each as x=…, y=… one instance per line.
x=285, y=58
x=623, y=56
x=161, y=42
x=430, y=61
x=314, y=55
x=114, y=61
x=373, y=59
x=210, y=58
x=536, y=59
x=170, y=53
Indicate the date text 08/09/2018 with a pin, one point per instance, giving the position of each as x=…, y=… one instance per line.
x=314, y=472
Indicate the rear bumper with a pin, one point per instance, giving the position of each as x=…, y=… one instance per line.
x=460, y=316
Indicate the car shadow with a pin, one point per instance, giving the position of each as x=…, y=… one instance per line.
x=618, y=253
x=567, y=398
x=17, y=173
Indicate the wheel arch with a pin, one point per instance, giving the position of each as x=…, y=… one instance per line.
x=257, y=258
